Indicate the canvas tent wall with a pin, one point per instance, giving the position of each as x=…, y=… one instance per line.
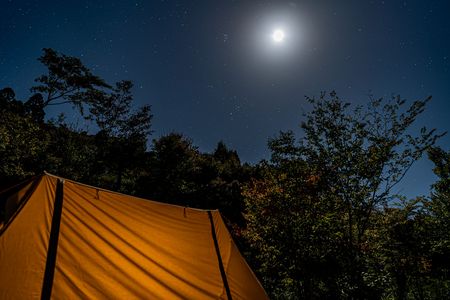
x=71, y=241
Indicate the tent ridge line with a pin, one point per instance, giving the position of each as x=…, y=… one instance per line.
x=219, y=257
x=52, y=249
x=122, y=194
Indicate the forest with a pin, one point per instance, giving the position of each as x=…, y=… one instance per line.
x=318, y=220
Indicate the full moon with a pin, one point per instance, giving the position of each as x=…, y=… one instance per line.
x=278, y=36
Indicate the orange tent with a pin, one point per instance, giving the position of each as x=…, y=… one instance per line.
x=66, y=240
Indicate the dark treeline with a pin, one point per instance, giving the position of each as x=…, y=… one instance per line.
x=319, y=220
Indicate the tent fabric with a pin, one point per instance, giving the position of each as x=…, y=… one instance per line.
x=113, y=246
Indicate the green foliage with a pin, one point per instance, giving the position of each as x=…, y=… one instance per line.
x=178, y=173
x=123, y=134
x=439, y=216
x=114, y=115
x=20, y=147
x=400, y=255
x=70, y=153
x=117, y=149
x=294, y=237
x=21, y=140
x=354, y=157
x=173, y=164
x=67, y=81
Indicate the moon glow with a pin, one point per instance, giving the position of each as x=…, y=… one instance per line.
x=278, y=36
x=275, y=37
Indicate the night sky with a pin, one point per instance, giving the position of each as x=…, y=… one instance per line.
x=211, y=71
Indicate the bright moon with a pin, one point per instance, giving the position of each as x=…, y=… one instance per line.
x=278, y=36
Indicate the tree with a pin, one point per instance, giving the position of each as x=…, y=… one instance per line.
x=68, y=81
x=122, y=139
x=8, y=102
x=399, y=259
x=34, y=107
x=177, y=172
x=22, y=142
x=173, y=164
x=355, y=157
x=117, y=149
x=439, y=217
x=71, y=152
x=293, y=235
x=220, y=183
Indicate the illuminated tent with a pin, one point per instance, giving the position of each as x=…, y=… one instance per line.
x=67, y=240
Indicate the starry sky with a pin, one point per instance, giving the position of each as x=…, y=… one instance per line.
x=209, y=71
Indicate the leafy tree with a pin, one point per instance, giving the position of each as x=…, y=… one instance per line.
x=117, y=149
x=439, y=218
x=21, y=140
x=121, y=141
x=356, y=157
x=220, y=180
x=71, y=153
x=398, y=256
x=68, y=81
x=8, y=102
x=178, y=173
x=440, y=206
x=34, y=108
x=123, y=132
x=173, y=164
x=20, y=145
x=293, y=236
